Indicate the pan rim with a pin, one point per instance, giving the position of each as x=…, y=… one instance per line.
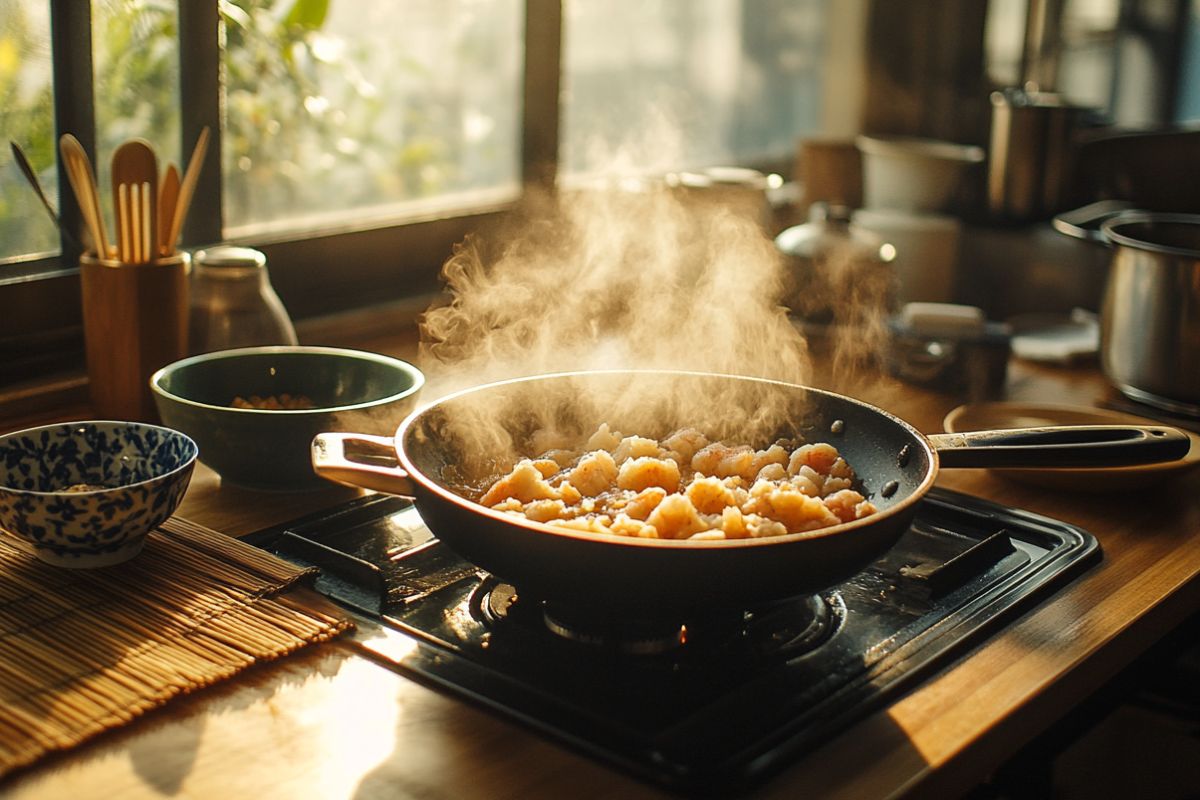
x=434, y=487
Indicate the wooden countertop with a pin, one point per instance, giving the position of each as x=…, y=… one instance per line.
x=331, y=724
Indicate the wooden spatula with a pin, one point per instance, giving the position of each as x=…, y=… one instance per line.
x=83, y=181
x=168, y=196
x=135, y=200
x=190, y=176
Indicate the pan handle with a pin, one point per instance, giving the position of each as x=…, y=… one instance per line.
x=1062, y=446
x=358, y=459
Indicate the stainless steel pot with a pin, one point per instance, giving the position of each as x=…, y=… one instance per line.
x=1150, y=317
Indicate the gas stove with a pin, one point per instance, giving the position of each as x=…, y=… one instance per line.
x=709, y=704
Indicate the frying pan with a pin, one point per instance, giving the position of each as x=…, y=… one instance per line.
x=434, y=455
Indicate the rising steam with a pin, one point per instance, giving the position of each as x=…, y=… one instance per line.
x=615, y=278
x=620, y=277
x=624, y=275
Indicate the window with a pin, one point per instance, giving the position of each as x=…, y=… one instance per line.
x=1132, y=61
x=357, y=142
x=359, y=109
x=673, y=85
x=26, y=105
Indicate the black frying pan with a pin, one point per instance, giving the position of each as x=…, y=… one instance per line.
x=431, y=460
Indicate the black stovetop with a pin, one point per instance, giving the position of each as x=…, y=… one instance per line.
x=711, y=704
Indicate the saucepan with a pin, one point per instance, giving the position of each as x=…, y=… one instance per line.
x=432, y=458
x=1150, y=317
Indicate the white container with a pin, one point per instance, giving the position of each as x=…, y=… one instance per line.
x=915, y=175
x=926, y=257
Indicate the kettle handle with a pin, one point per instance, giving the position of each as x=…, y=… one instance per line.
x=1084, y=223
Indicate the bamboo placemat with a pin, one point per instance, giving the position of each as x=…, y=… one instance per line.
x=83, y=651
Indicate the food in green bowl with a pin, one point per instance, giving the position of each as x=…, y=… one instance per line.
x=254, y=411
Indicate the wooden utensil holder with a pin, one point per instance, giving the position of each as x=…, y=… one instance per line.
x=134, y=322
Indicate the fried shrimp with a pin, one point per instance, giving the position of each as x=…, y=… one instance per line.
x=684, y=487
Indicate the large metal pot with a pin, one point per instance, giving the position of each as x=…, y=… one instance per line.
x=1150, y=317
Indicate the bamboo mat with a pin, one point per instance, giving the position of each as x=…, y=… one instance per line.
x=84, y=651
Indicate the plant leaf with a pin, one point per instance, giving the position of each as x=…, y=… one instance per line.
x=308, y=14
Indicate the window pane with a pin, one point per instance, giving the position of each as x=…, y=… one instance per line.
x=1004, y=41
x=135, y=59
x=27, y=118
x=686, y=84
x=1086, y=61
x=344, y=106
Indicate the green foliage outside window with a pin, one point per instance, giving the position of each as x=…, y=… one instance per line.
x=27, y=118
x=311, y=122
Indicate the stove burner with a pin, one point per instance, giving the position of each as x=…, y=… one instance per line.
x=788, y=629
x=633, y=636
x=796, y=627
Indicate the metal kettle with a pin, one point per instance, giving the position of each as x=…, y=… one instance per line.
x=834, y=268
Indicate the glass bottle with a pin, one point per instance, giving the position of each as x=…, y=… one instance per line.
x=232, y=302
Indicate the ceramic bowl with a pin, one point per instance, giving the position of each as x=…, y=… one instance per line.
x=85, y=494
x=268, y=448
x=920, y=176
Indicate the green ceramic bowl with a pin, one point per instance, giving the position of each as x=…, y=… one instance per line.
x=260, y=448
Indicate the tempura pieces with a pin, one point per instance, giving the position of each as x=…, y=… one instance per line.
x=684, y=487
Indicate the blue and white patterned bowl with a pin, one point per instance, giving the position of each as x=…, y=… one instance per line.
x=85, y=494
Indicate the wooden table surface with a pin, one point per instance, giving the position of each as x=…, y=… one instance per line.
x=331, y=724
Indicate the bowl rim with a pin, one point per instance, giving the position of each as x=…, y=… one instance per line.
x=418, y=378
x=187, y=464
x=917, y=147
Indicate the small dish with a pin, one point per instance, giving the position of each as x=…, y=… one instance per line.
x=85, y=494
x=990, y=416
x=1064, y=339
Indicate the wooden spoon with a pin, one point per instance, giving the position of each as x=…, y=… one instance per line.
x=135, y=198
x=83, y=181
x=190, y=177
x=168, y=197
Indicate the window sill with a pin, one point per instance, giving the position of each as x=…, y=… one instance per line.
x=44, y=400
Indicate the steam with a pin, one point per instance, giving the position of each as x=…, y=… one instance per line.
x=851, y=290
x=622, y=275
x=639, y=274
x=616, y=278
